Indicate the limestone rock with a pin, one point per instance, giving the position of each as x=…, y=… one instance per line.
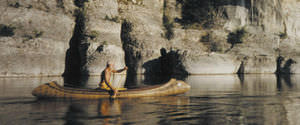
x=38, y=39
x=197, y=36
x=211, y=64
x=103, y=26
x=141, y=33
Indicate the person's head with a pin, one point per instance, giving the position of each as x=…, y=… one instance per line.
x=110, y=64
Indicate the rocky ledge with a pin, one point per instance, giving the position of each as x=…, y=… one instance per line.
x=77, y=37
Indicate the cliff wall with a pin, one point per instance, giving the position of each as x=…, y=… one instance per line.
x=149, y=36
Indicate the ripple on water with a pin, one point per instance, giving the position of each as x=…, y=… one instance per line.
x=213, y=100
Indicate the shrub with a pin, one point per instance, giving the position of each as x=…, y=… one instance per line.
x=202, y=14
x=283, y=35
x=105, y=43
x=113, y=19
x=35, y=34
x=29, y=6
x=60, y=4
x=214, y=47
x=93, y=34
x=205, y=38
x=139, y=2
x=236, y=36
x=80, y=3
x=6, y=30
x=15, y=5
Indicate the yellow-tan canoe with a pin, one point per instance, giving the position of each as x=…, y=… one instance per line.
x=53, y=90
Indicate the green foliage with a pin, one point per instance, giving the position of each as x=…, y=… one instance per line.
x=201, y=14
x=15, y=5
x=80, y=3
x=60, y=3
x=37, y=33
x=113, y=19
x=105, y=43
x=33, y=35
x=283, y=35
x=205, y=38
x=93, y=34
x=126, y=2
x=236, y=36
x=29, y=6
x=6, y=30
x=214, y=47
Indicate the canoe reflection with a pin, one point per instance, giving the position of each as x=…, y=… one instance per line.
x=123, y=111
x=110, y=111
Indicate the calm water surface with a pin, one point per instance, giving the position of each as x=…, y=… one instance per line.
x=213, y=100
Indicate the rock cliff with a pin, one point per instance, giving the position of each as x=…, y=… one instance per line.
x=77, y=37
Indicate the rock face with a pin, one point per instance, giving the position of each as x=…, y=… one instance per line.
x=34, y=36
x=149, y=36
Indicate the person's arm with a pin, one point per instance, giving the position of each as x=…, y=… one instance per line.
x=120, y=70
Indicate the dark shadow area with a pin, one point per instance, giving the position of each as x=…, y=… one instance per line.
x=284, y=67
x=80, y=3
x=132, y=57
x=236, y=37
x=279, y=62
x=287, y=66
x=75, y=55
x=241, y=72
x=171, y=64
x=168, y=66
x=74, y=114
x=76, y=81
x=153, y=72
x=278, y=82
x=60, y=4
x=284, y=79
x=7, y=30
x=283, y=72
x=203, y=12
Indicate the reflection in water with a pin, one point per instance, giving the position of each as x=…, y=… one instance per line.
x=213, y=84
x=110, y=111
x=22, y=87
x=284, y=79
x=214, y=100
x=259, y=85
x=74, y=114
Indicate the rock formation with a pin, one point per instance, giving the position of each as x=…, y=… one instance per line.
x=77, y=37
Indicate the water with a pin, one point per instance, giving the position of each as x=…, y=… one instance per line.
x=213, y=100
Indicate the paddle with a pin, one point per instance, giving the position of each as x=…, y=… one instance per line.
x=118, y=85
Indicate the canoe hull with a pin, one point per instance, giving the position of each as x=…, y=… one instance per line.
x=53, y=90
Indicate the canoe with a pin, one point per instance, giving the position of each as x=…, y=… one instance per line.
x=54, y=90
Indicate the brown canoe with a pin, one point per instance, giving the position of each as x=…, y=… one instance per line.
x=53, y=90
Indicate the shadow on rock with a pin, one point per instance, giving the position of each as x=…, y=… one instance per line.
x=169, y=65
x=284, y=72
x=284, y=67
x=75, y=62
x=204, y=12
x=75, y=81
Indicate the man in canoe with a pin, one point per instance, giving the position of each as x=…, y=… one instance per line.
x=106, y=75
